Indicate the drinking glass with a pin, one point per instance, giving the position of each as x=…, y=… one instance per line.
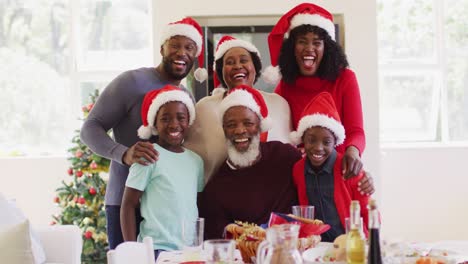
x=219, y=251
x=304, y=211
x=192, y=238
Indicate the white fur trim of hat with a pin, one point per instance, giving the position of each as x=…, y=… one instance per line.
x=145, y=132
x=185, y=30
x=314, y=20
x=244, y=98
x=318, y=120
x=235, y=43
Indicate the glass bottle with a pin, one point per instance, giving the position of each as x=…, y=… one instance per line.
x=355, y=242
x=374, y=255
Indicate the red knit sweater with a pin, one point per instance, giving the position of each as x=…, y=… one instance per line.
x=345, y=190
x=345, y=92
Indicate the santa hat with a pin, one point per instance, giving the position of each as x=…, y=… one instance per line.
x=321, y=111
x=303, y=14
x=225, y=44
x=228, y=42
x=189, y=28
x=154, y=99
x=244, y=95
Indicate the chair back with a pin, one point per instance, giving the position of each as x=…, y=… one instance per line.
x=132, y=252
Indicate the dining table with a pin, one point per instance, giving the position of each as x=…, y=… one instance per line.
x=402, y=252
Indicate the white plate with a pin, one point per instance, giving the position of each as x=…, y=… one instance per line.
x=312, y=254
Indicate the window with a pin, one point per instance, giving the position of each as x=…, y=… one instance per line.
x=423, y=63
x=54, y=54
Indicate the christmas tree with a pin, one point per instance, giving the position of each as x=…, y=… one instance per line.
x=81, y=199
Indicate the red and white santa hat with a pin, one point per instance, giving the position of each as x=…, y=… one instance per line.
x=189, y=28
x=244, y=95
x=226, y=43
x=321, y=111
x=303, y=14
x=154, y=99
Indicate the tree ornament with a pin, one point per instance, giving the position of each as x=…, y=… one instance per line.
x=56, y=199
x=93, y=165
x=79, y=174
x=88, y=234
x=79, y=154
x=92, y=191
x=70, y=171
x=81, y=200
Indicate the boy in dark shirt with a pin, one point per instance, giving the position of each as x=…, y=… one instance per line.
x=318, y=176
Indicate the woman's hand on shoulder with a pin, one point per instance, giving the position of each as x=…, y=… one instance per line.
x=366, y=184
x=351, y=164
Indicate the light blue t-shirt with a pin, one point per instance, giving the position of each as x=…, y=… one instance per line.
x=170, y=189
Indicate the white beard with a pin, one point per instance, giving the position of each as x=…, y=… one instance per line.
x=247, y=158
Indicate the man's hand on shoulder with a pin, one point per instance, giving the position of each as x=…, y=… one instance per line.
x=142, y=153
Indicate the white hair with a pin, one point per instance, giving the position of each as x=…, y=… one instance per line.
x=247, y=158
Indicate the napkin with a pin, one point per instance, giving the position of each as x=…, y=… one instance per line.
x=305, y=230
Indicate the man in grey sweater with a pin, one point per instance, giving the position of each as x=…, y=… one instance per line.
x=118, y=108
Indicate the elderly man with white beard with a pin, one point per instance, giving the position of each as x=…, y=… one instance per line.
x=256, y=178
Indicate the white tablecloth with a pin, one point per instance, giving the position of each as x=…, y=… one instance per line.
x=456, y=250
x=173, y=257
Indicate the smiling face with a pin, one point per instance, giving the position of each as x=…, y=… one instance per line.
x=308, y=50
x=242, y=130
x=319, y=143
x=171, y=123
x=238, y=68
x=178, y=54
x=240, y=125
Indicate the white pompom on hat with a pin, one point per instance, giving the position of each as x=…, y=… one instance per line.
x=271, y=75
x=189, y=28
x=303, y=14
x=321, y=111
x=244, y=95
x=154, y=99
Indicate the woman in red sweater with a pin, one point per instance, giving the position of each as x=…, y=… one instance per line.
x=303, y=44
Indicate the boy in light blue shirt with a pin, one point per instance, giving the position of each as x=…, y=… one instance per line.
x=168, y=188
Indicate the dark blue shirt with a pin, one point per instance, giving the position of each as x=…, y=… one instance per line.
x=320, y=192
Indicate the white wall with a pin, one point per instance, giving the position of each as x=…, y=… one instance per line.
x=32, y=183
x=424, y=192
x=410, y=181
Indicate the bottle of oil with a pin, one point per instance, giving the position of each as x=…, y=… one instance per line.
x=374, y=256
x=355, y=243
